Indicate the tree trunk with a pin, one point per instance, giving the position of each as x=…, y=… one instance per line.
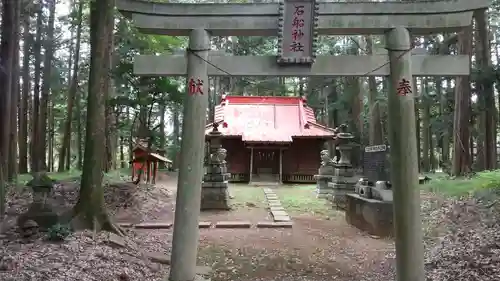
x=90, y=211
x=497, y=56
x=443, y=112
x=111, y=120
x=176, y=134
x=353, y=84
x=64, y=158
x=47, y=71
x=122, y=153
x=375, y=123
x=445, y=109
x=74, y=94
x=426, y=134
x=50, y=136
x=418, y=128
x=35, y=146
x=23, y=109
x=487, y=124
x=64, y=164
x=461, y=152
x=13, y=167
x=163, y=143
x=10, y=12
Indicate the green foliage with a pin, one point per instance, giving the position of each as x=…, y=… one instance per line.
x=477, y=184
x=58, y=232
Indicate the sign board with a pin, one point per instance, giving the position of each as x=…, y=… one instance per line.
x=297, y=38
x=376, y=148
x=375, y=163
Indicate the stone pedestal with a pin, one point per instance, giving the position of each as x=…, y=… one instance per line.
x=344, y=182
x=325, y=175
x=40, y=211
x=214, y=191
x=370, y=215
x=323, y=190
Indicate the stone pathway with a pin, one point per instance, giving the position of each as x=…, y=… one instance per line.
x=277, y=211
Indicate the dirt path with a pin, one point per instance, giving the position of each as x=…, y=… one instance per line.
x=314, y=249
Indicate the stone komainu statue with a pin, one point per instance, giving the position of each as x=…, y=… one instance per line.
x=219, y=156
x=325, y=158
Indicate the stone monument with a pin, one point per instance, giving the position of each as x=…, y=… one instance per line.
x=325, y=175
x=214, y=192
x=376, y=163
x=344, y=179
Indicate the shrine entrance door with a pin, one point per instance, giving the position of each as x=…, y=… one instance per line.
x=266, y=164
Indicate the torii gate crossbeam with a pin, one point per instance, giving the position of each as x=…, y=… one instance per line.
x=252, y=19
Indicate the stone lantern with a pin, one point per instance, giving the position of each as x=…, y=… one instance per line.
x=40, y=211
x=344, y=180
x=344, y=145
x=214, y=192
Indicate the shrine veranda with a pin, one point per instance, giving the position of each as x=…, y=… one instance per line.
x=297, y=24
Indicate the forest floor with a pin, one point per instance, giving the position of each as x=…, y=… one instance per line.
x=320, y=246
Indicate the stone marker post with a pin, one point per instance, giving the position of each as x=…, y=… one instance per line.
x=187, y=209
x=404, y=161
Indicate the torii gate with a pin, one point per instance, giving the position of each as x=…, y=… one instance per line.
x=297, y=23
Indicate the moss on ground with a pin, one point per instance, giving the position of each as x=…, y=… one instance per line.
x=301, y=199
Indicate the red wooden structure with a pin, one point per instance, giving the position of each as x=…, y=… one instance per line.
x=270, y=138
x=144, y=161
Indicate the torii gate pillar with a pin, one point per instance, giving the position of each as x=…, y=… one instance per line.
x=187, y=208
x=404, y=160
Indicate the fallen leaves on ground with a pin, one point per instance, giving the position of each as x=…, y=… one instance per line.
x=469, y=249
x=82, y=257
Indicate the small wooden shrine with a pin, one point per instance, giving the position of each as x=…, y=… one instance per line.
x=270, y=138
x=145, y=163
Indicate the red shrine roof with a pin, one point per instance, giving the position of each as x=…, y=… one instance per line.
x=153, y=155
x=267, y=119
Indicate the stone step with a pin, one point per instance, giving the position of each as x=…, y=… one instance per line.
x=269, y=224
x=204, y=224
x=153, y=225
x=233, y=224
x=282, y=218
x=160, y=225
x=279, y=213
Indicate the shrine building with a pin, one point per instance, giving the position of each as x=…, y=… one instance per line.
x=270, y=138
x=147, y=160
